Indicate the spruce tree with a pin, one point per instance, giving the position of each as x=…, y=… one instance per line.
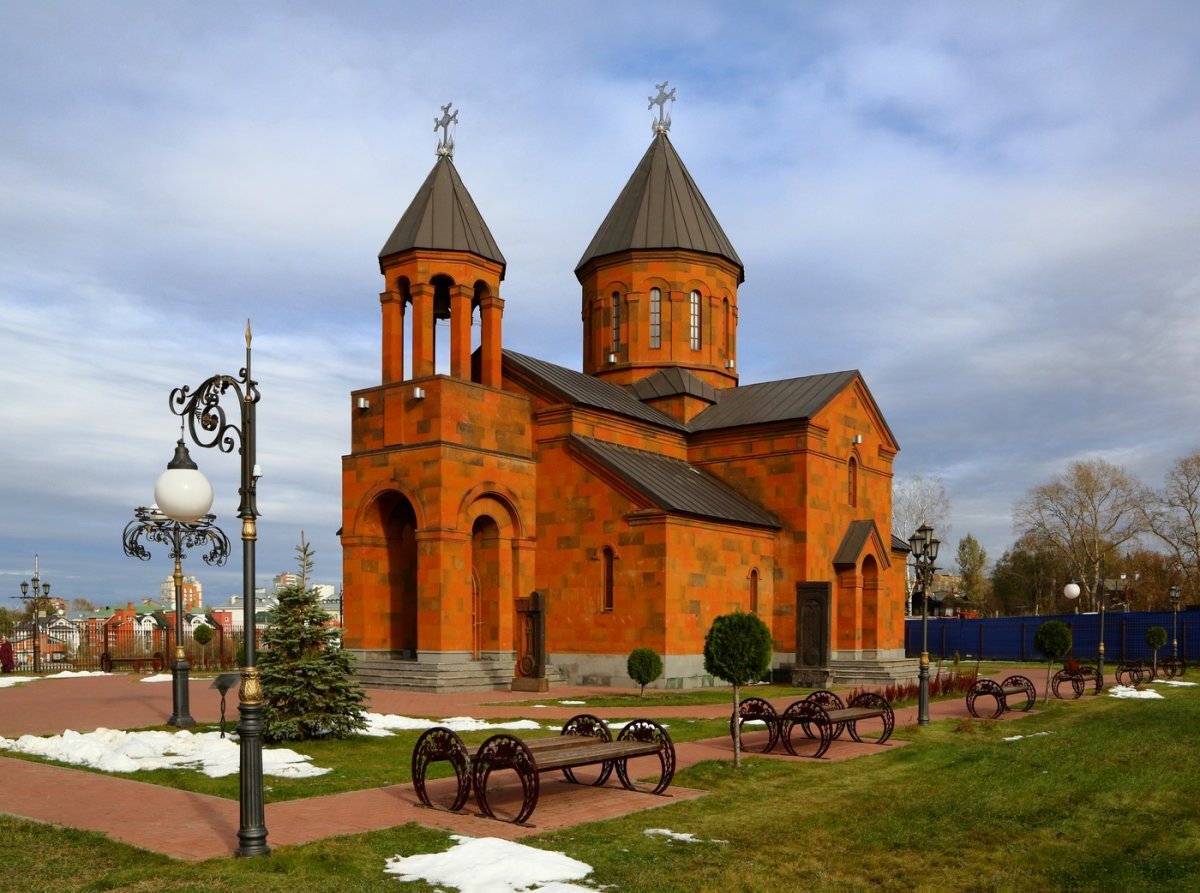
x=308, y=687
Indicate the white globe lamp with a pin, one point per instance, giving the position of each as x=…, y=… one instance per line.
x=182, y=492
x=1071, y=591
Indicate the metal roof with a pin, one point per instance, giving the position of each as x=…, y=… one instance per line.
x=661, y=207
x=674, y=485
x=442, y=217
x=671, y=382
x=773, y=401
x=576, y=387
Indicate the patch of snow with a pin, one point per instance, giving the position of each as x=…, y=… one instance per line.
x=1126, y=691
x=158, y=677
x=112, y=750
x=7, y=680
x=380, y=725
x=491, y=865
x=573, y=703
x=1019, y=737
x=1175, y=682
x=676, y=835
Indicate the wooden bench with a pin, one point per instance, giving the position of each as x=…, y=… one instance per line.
x=1079, y=677
x=1002, y=691
x=156, y=660
x=822, y=716
x=584, y=740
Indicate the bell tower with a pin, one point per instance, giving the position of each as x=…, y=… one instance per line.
x=660, y=281
x=441, y=265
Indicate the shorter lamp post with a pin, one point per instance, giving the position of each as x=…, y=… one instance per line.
x=153, y=525
x=1174, y=596
x=34, y=592
x=924, y=550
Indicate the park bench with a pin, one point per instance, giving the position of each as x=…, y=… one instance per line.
x=1170, y=667
x=1078, y=676
x=822, y=716
x=156, y=660
x=584, y=740
x=1002, y=691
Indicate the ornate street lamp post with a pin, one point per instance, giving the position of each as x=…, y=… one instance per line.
x=153, y=525
x=209, y=426
x=924, y=550
x=35, y=591
x=1174, y=596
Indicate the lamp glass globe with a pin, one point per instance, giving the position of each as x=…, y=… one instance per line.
x=183, y=494
x=1071, y=590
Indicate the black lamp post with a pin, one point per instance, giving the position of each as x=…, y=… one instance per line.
x=209, y=426
x=153, y=525
x=35, y=591
x=1174, y=596
x=924, y=550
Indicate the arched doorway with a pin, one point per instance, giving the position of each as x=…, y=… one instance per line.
x=486, y=579
x=399, y=523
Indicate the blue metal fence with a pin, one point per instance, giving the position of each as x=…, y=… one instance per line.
x=1011, y=638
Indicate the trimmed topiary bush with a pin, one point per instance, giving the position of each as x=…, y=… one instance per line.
x=1156, y=637
x=737, y=649
x=644, y=666
x=1053, y=640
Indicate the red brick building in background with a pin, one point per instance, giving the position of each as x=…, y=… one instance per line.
x=640, y=497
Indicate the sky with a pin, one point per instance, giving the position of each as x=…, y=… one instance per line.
x=990, y=211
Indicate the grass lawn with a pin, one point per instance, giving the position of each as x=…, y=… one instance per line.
x=1105, y=802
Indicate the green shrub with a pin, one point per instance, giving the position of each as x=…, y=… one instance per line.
x=737, y=649
x=1053, y=640
x=644, y=666
x=1156, y=637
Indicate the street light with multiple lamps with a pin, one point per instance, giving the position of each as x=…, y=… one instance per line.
x=209, y=426
x=34, y=592
x=924, y=550
x=153, y=525
x=1173, y=594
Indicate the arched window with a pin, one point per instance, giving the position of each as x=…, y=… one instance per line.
x=852, y=481
x=616, y=321
x=606, y=561
x=728, y=332
x=655, y=318
x=754, y=591
x=694, y=304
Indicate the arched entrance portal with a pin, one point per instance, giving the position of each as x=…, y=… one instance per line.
x=399, y=523
x=486, y=577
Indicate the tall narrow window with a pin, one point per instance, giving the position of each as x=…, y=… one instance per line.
x=616, y=321
x=754, y=591
x=695, y=320
x=852, y=482
x=655, y=318
x=607, y=569
x=728, y=332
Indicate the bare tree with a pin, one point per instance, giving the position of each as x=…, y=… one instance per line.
x=918, y=500
x=1087, y=515
x=1173, y=516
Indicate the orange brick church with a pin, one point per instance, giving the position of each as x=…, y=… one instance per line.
x=513, y=522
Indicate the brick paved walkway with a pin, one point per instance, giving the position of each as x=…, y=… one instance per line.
x=204, y=827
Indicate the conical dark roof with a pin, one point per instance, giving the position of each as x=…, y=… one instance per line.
x=661, y=207
x=443, y=217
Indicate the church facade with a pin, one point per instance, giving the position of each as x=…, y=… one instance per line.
x=513, y=520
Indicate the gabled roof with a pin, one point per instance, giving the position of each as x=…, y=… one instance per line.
x=673, y=381
x=661, y=207
x=854, y=543
x=674, y=485
x=576, y=387
x=442, y=217
x=773, y=401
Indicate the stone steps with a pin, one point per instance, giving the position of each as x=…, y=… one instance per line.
x=410, y=675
